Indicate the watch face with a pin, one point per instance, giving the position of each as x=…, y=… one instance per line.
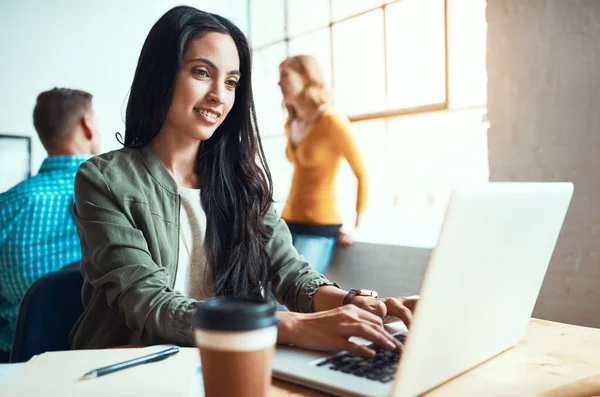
x=366, y=292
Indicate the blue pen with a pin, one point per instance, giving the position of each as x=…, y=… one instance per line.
x=150, y=358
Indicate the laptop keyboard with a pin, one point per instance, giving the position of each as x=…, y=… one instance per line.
x=380, y=368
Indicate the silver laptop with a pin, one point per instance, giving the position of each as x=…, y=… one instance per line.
x=477, y=295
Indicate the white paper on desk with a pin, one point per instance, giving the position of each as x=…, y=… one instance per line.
x=8, y=371
x=58, y=374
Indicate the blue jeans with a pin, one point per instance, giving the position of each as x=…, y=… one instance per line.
x=316, y=250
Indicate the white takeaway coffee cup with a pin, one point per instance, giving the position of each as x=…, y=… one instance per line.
x=236, y=338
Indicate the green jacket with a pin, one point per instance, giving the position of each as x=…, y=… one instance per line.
x=127, y=216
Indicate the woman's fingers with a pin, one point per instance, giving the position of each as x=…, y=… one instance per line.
x=358, y=349
x=397, y=309
x=375, y=334
x=369, y=326
x=410, y=302
x=344, y=239
x=370, y=314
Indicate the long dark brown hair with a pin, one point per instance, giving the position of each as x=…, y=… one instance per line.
x=235, y=182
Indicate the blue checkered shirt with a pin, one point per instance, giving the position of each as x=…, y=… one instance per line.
x=37, y=234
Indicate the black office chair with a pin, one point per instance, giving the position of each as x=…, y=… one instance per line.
x=50, y=308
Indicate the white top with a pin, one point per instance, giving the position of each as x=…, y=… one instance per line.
x=193, y=279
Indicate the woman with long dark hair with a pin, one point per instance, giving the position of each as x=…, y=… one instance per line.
x=184, y=211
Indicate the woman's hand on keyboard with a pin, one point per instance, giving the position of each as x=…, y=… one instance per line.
x=389, y=309
x=330, y=330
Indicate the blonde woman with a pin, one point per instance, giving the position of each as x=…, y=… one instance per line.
x=318, y=138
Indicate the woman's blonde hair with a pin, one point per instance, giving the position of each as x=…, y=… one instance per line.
x=315, y=93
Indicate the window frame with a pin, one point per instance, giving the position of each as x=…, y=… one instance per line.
x=387, y=113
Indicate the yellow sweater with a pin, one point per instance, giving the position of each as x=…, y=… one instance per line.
x=316, y=160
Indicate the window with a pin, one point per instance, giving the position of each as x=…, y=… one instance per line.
x=267, y=95
x=359, y=64
x=416, y=67
x=381, y=57
x=267, y=22
x=411, y=76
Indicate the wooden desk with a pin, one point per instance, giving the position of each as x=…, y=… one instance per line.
x=554, y=360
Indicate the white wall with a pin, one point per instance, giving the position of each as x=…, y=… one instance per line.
x=91, y=45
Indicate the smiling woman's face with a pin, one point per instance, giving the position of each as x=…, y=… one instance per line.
x=205, y=87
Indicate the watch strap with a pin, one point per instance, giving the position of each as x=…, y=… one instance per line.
x=348, y=298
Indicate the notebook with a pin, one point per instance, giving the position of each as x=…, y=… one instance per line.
x=57, y=374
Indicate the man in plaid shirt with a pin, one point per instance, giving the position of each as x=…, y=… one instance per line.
x=37, y=230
